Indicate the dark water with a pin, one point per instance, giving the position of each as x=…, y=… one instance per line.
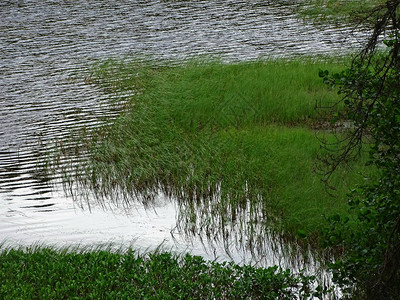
x=45, y=50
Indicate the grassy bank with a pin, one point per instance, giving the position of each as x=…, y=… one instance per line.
x=43, y=273
x=231, y=142
x=352, y=11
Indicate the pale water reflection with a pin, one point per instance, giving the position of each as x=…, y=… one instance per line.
x=64, y=224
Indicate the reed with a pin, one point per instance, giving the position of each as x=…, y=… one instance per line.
x=230, y=142
x=352, y=11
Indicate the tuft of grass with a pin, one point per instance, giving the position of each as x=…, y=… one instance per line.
x=216, y=95
x=46, y=273
x=352, y=11
x=231, y=142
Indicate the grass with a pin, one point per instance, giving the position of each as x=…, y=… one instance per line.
x=46, y=273
x=352, y=11
x=202, y=133
x=275, y=91
x=231, y=142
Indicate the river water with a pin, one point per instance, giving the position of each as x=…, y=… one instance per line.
x=45, y=49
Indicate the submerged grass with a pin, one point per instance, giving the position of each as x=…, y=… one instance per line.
x=46, y=273
x=231, y=142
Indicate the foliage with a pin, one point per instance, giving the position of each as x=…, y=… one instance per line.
x=45, y=273
x=371, y=88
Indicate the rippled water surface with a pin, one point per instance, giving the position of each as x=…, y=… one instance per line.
x=45, y=48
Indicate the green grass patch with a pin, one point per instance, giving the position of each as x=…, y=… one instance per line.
x=231, y=142
x=217, y=95
x=352, y=11
x=45, y=273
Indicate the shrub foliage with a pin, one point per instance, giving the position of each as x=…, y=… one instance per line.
x=370, y=268
x=45, y=273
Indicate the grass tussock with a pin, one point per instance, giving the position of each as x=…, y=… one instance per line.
x=231, y=142
x=216, y=95
x=45, y=273
x=352, y=11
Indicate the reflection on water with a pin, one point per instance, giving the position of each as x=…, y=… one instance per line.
x=45, y=46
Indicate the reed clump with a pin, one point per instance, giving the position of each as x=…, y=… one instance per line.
x=351, y=11
x=231, y=142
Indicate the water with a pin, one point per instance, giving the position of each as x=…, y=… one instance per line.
x=45, y=48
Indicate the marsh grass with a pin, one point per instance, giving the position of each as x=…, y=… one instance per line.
x=231, y=143
x=352, y=11
x=216, y=95
x=47, y=273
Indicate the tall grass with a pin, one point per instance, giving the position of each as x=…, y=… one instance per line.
x=214, y=94
x=338, y=10
x=231, y=142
